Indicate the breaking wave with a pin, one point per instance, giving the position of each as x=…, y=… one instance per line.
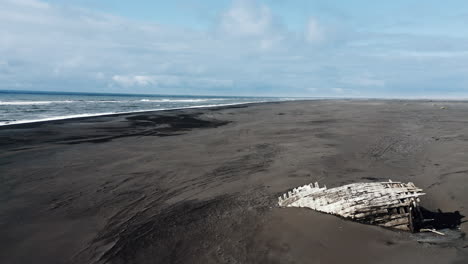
x=181, y=100
x=17, y=108
x=64, y=117
x=33, y=102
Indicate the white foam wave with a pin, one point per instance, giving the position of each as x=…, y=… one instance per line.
x=5, y=123
x=181, y=100
x=111, y=101
x=106, y=101
x=34, y=102
x=55, y=118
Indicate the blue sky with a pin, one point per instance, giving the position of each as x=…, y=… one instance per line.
x=358, y=48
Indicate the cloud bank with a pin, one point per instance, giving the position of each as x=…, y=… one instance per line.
x=248, y=50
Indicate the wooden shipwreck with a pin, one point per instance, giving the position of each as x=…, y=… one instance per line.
x=388, y=204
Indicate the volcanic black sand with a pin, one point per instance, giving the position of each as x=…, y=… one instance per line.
x=201, y=185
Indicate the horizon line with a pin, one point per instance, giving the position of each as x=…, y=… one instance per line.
x=454, y=98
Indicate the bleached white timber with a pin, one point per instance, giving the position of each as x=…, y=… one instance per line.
x=389, y=204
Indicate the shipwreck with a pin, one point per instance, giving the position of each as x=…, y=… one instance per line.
x=389, y=204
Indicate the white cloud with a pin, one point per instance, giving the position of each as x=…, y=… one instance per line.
x=365, y=80
x=314, y=33
x=169, y=81
x=252, y=24
x=338, y=90
x=245, y=18
x=140, y=80
x=28, y=3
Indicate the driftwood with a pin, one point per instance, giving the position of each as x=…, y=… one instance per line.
x=389, y=204
x=432, y=230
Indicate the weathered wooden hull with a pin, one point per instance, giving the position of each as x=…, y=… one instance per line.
x=389, y=204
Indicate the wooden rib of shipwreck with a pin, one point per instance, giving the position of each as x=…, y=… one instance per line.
x=388, y=204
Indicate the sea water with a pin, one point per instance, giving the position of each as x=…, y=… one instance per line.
x=24, y=107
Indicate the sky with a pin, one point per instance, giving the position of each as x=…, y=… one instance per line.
x=359, y=48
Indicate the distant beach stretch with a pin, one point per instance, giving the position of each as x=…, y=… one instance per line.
x=201, y=185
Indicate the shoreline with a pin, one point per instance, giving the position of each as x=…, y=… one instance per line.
x=109, y=114
x=106, y=114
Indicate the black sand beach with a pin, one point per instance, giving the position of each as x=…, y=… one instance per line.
x=201, y=185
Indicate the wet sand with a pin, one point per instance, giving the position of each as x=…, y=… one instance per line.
x=201, y=185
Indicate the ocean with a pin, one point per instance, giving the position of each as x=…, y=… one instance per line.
x=27, y=107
